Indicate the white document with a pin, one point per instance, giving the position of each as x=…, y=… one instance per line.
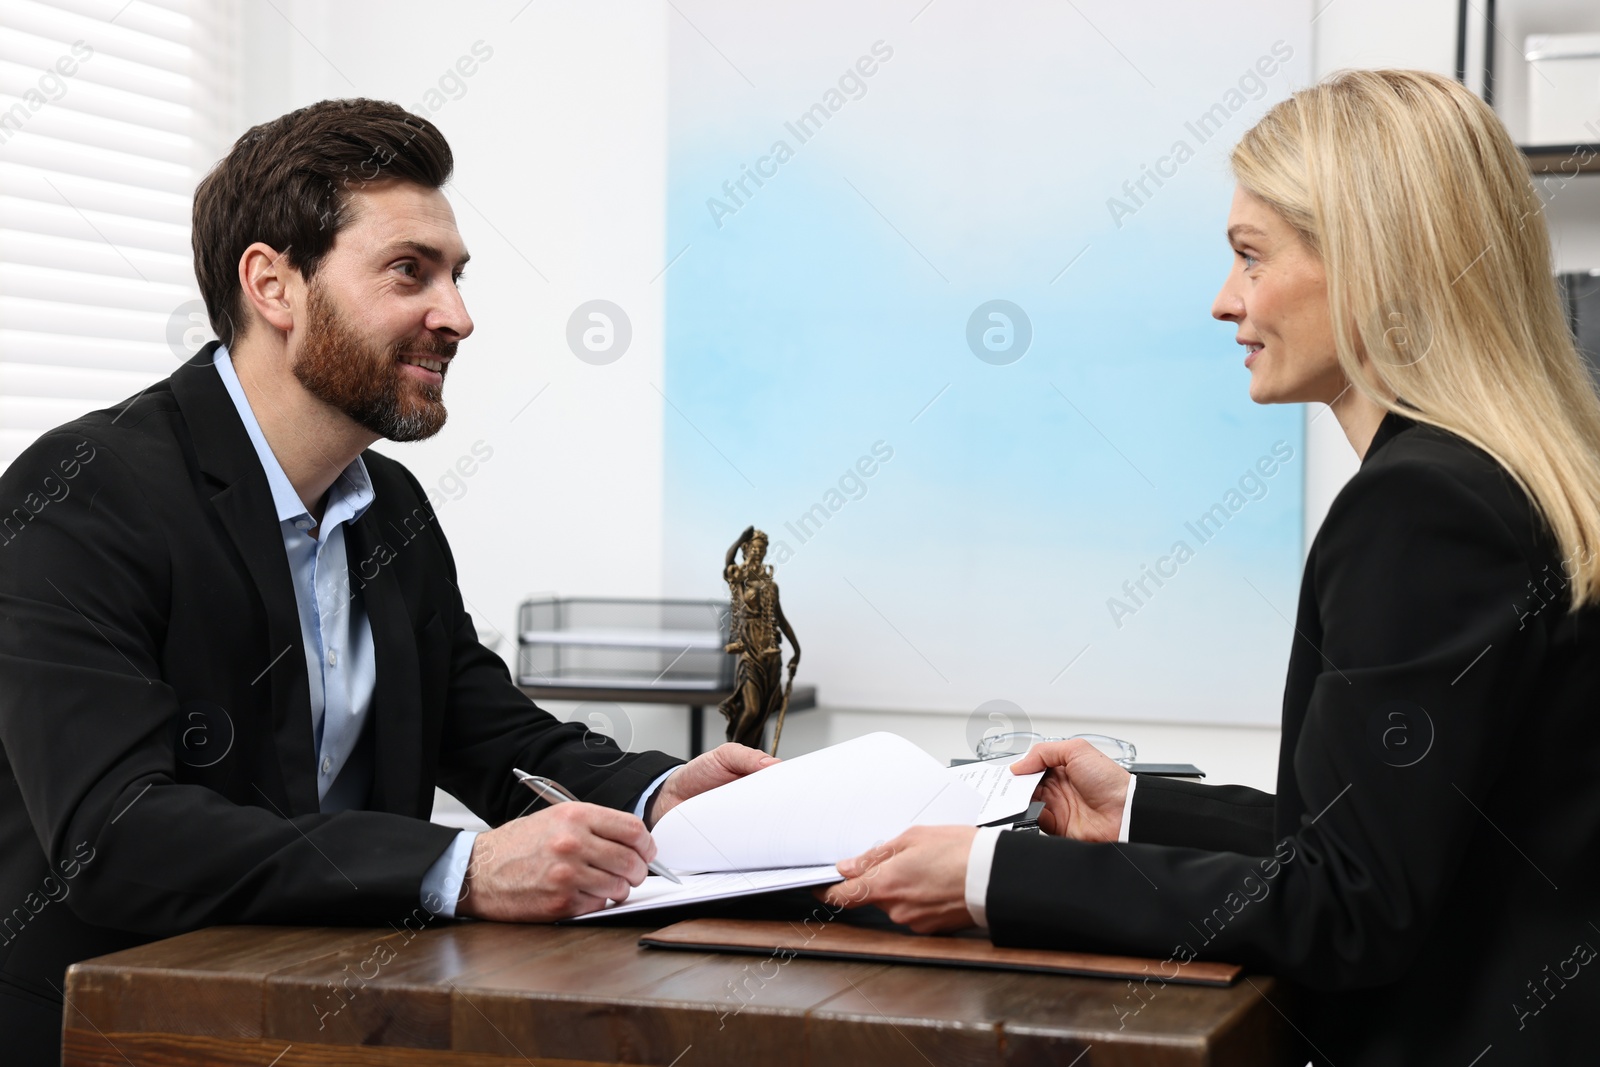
x=819, y=808
x=657, y=892
x=1005, y=795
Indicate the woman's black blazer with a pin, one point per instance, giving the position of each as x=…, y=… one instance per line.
x=1427, y=877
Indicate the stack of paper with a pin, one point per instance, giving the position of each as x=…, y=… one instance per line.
x=786, y=826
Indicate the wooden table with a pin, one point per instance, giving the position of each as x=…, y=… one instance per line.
x=483, y=994
x=803, y=698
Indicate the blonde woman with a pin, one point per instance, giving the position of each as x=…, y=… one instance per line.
x=1429, y=868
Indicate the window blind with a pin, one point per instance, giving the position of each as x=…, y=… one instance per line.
x=110, y=113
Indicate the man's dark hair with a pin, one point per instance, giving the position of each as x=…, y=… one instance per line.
x=288, y=183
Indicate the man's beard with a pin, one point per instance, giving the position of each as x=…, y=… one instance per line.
x=364, y=380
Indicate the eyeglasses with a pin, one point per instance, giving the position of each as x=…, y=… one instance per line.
x=1017, y=742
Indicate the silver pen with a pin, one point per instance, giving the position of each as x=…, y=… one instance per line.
x=555, y=793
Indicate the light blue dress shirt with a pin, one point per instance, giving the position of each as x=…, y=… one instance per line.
x=341, y=662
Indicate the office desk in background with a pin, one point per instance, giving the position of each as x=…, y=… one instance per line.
x=803, y=698
x=495, y=995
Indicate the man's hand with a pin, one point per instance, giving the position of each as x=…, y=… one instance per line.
x=563, y=861
x=706, y=771
x=919, y=879
x=1083, y=789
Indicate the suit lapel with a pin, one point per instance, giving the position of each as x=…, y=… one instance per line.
x=395, y=715
x=243, y=502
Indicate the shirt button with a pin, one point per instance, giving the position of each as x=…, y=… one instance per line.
x=327, y=764
x=302, y=524
x=333, y=658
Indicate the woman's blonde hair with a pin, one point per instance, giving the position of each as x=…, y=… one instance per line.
x=1433, y=239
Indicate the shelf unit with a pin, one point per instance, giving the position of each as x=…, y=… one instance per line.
x=613, y=650
x=1568, y=159
x=1562, y=159
x=1554, y=166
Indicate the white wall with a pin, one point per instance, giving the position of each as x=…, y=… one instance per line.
x=561, y=150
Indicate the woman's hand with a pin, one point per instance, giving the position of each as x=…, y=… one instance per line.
x=919, y=879
x=1083, y=789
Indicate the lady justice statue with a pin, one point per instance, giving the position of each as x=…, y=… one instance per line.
x=753, y=631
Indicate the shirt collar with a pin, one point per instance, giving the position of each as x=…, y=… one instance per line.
x=348, y=496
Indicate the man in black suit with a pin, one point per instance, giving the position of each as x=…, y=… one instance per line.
x=234, y=660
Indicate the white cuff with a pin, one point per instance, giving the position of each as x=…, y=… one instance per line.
x=1127, y=809
x=441, y=886
x=979, y=861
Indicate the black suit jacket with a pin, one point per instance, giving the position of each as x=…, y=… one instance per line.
x=1428, y=873
x=158, y=771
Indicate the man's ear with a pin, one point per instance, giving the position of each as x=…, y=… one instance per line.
x=265, y=277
